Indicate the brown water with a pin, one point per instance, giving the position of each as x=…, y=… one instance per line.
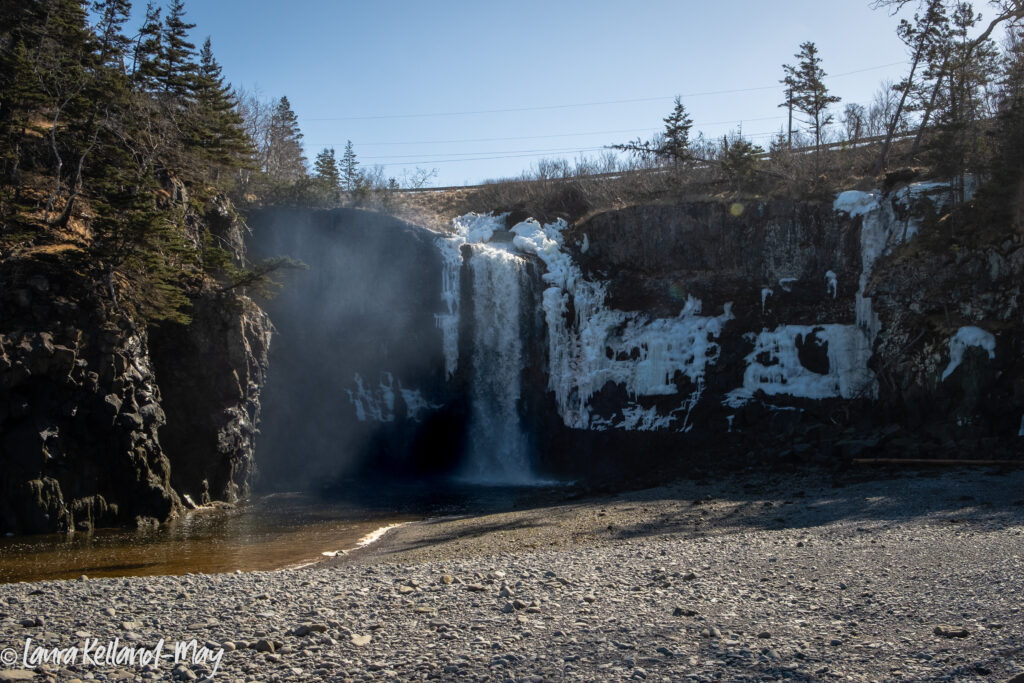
x=271, y=532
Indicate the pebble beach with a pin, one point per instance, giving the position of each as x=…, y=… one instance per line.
x=908, y=576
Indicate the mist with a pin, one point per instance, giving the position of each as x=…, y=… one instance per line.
x=357, y=382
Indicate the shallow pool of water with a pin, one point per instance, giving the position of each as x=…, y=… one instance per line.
x=270, y=532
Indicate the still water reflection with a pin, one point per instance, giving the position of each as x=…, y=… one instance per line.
x=269, y=532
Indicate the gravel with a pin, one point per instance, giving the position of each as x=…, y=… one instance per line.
x=915, y=577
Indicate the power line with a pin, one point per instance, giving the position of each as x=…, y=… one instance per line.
x=585, y=104
x=534, y=137
x=509, y=156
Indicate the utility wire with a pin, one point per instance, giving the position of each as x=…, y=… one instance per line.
x=534, y=137
x=584, y=104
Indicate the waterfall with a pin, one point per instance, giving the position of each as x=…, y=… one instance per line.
x=498, y=448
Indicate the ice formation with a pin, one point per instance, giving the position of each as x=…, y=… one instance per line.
x=964, y=337
x=765, y=293
x=774, y=365
x=602, y=345
x=377, y=404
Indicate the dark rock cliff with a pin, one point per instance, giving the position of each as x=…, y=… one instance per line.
x=107, y=423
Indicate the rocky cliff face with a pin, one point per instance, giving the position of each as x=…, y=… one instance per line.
x=645, y=342
x=105, y=423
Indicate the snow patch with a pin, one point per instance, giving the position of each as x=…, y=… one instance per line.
x=765, y=293
x=831, y=283
x=964, y=337
x=856, y=203
x=787, y=283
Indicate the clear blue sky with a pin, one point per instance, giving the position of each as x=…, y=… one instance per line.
x=374, y=72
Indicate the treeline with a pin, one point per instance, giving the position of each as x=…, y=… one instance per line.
x=958, y=113
x=115, y=145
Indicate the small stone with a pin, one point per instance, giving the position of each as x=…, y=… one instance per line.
x=683, y=612
x=405, y=590
x=476, y=587
x=689, y=576
x=83, y=577
x=835, y=642
x=507, y=608
x=951, y=631
x=505, y=592
x=110, y=611
x=263, y=645
x=589, y=598
x=519, y=604
x=447, y=579
x=361, y=641
x=764, y=634
x=28, y=622
x=842, y=586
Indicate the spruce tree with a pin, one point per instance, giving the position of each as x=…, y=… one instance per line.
x=676, y=143
x=326, y=168
x=217, y=127
x=285, y=161
x=810, y=95
x=350, y=175
x=148, y=48
x=113, y=44
x=177, y=68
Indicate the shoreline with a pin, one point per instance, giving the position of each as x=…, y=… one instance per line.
x=907, y=577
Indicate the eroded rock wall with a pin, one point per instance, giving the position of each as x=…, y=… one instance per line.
x=104, y=422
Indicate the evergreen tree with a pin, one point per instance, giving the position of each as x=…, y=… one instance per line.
x=217, y=126
x=285, y=161
x=113, y=44
x=676, y=142
x=350, y=175
x=176, y=70
x=326, y=168
x=148, y=48
x=810, y=95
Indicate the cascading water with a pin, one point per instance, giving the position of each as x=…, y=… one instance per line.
x=498, y=447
